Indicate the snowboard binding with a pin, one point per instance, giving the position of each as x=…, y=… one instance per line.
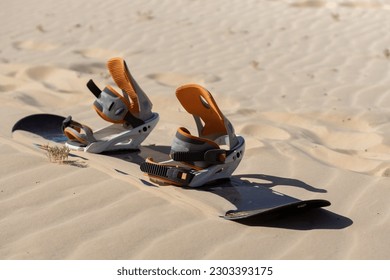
x=130, y=114
x=197, y=160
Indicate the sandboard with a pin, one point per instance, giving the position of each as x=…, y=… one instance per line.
x=276, y=211
x=253, y=201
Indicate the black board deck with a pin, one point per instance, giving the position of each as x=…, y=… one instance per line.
x=252, y=200
x=47, y=126
x=276, y=211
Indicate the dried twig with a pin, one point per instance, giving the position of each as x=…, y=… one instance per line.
x=58, y=154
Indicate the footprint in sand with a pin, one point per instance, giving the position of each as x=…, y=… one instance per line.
x=8, y=87
x=98, y=53
x=57, y=79
x=171, y=79
x=309, y=4
x=89, y=68
x=347, y=4
x=263, y=131
x=35, y=46
x=361, y=4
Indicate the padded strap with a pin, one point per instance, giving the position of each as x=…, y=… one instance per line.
x=197, y=151
x=112, y=107
x=214, y=156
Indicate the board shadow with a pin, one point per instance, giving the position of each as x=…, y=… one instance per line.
x=247, y=195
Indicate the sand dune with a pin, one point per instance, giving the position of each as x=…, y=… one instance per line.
x=305, y=82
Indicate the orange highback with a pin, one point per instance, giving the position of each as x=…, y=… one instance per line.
x=118, y=70
x=199, y=102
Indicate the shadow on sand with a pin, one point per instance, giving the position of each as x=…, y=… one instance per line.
x=254, y=191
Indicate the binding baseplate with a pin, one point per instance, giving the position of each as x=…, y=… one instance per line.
x=130, y=113
x=197, y=160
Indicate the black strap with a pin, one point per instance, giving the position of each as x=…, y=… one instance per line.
x=132, y=120
x=68, y=122
x=94, y=88
x=181, y=176
x=213, y=156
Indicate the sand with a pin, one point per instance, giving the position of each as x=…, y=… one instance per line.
x=305, y=82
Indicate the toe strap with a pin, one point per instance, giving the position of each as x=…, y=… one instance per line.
x=76, y=131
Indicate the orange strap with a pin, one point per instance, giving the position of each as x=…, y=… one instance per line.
x=120, y=74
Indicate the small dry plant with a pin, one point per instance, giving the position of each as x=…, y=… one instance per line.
x=58, y=154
